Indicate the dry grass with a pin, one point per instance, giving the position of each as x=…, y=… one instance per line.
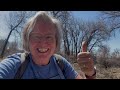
x=102, y=73
x=109, y=73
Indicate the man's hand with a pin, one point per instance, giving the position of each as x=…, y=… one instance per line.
x=85, y=61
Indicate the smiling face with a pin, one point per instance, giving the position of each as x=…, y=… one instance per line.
x=42, y=42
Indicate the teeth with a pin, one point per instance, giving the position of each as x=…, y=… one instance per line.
x=42, y=50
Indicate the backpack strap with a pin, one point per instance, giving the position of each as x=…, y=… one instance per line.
x=59, y=61
x=23, y=66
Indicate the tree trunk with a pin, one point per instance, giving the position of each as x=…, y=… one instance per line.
x=4, y=47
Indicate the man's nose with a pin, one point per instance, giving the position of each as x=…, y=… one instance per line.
x=42, y=40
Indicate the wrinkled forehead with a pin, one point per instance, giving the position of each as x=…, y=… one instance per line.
x=44, y=28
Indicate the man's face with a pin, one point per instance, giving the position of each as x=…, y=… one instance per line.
x=42, y=42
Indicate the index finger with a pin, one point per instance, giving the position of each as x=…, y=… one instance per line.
x=84, y=46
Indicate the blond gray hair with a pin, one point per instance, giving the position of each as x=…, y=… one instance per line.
x=44, y=17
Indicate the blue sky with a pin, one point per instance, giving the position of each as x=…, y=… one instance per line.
x=84, y=15
x=114, y=42
x=3, y=28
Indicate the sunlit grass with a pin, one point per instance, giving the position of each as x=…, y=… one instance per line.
x=102, y=73
x=109, y=73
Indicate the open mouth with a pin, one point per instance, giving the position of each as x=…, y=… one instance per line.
x=42, y=50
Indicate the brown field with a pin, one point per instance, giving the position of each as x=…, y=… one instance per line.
x=102, y=73
x=109, y=73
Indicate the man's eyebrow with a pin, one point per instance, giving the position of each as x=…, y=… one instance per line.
x=41, y=34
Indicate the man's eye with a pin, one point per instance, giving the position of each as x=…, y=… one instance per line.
x=49, y=37
x=36, y=37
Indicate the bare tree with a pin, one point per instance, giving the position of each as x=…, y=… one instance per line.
x=103, y=56
x=116, y=53
x=12, y=26
x=64, y=17
x=74, y=34
x=15, y=22
x=75, y=31
x=112, y=20
x=1, y=43
x=95, y=33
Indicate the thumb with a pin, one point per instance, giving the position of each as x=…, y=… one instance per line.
x=84, y=46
